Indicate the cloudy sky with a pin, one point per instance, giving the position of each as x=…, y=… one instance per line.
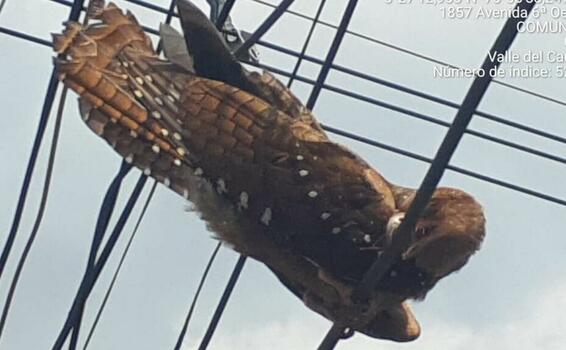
x=511, y=295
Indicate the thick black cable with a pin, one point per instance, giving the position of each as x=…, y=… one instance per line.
x=306, y=43
x=403, y=236
x=90, y=279
x=24, y=36
x=40, y=212
x=476, y=92
x=415, y=54
x=264, y=27
x=119, y=267
x=104, y=215
x=326, y=66
x=223, y=302
x=335, y=334
x=224, y=13
x=196, y=296
x=400, y=151
x=46, y=110
x=2, y=3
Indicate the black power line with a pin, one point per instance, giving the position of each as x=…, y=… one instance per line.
x=46, y=110
x=40, y=212
x=119, y=267
x=223, y=302
x=403, y=236
x=90, y=279
x=306, y=43
x=224, y=13
x=264, y=27
x=183, y=332
x=101, y=227
x=327, y=65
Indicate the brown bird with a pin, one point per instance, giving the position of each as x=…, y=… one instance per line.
x=259, y=168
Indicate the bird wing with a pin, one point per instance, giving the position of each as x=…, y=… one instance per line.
x=296, y=200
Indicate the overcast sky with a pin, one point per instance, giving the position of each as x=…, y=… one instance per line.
x=511, y=295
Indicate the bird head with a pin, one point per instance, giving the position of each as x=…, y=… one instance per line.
x=449, y=231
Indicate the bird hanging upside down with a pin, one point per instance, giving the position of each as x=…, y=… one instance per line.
x=260, y=170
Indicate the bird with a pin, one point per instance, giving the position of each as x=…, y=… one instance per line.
x=259, y=168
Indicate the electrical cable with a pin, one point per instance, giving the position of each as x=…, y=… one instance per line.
x=403, y=235
x=196, y=296
x=306, y=43
x=264, y=27
x=119, y=267
x=46, y=110
x=40, y=212
x=90, y=279
x=336, y=42
x=223, y=302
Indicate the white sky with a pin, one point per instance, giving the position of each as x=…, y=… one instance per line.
x=511, y=295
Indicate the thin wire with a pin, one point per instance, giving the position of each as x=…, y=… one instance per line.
x=102, y=222
x=416, y=54
x=336, y=42
x=306, y=44
x=224, y=13
x=403, y=235
x=335, y=334
x=223, y=302
x=119, y=267
x=89, y=280
x=40, y=212
x=46, y=110
x=400, y=151
x=196, y=296
x=2, y=3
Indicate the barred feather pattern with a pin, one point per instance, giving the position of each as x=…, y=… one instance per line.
x=263, y=174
